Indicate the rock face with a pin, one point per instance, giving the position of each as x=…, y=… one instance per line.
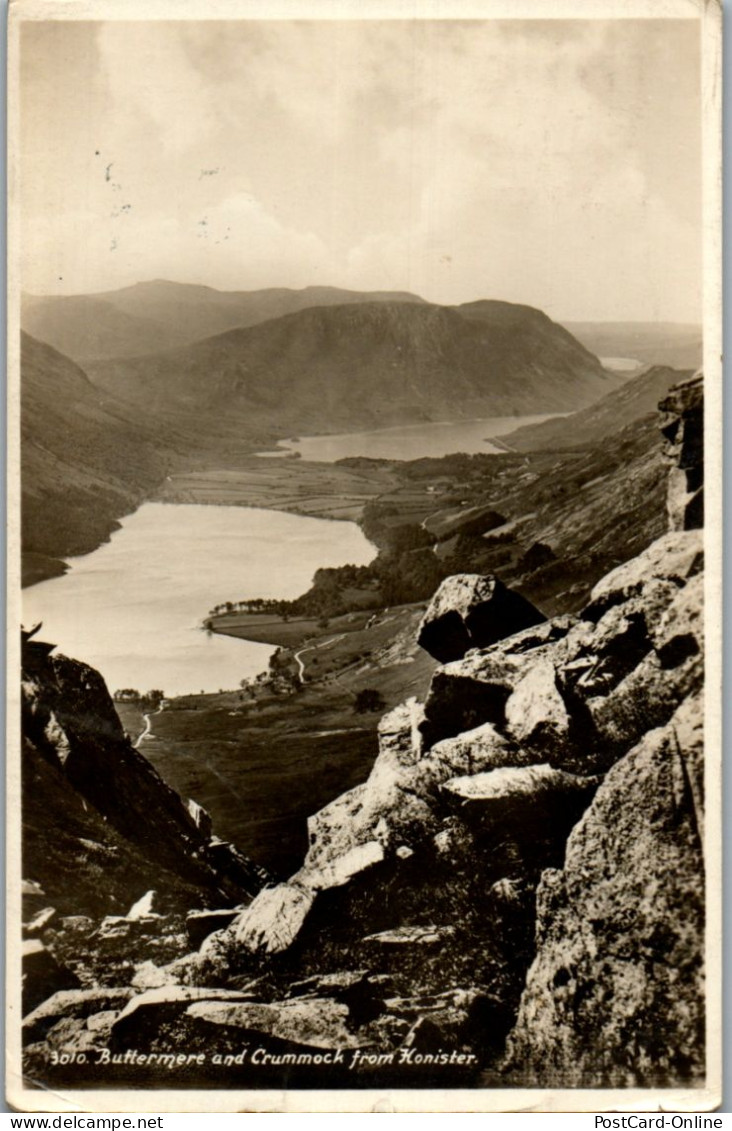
x=615, y=996
x=472, y=611
x=78, y=761
x=616, y=993
x=683, y=429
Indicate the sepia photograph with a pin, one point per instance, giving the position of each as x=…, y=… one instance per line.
x=358, y=742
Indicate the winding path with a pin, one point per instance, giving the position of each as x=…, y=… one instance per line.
x=148, y=726
x=312, y=648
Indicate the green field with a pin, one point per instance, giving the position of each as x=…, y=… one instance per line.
x=262, y=763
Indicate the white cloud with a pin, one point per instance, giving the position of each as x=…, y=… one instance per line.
x=546, y=162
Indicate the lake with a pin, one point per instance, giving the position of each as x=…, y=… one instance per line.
x=621, y=364
x=407, y=441
x=132, y=608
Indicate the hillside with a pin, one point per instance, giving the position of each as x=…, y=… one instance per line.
x=159, y=315
x=366, y=365
x=676, y=344
x=85, y=460
x=636, y=398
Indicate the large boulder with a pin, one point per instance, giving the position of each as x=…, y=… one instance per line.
x=536, y=714
x=676, y=556
x=274, y=919
x=470, y=610
x=314, y=1022
x=672, y=671
x=523, y=813
x=472, y=691
x=387, y=807
x=615, y=996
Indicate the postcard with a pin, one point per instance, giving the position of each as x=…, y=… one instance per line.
x=359, y=574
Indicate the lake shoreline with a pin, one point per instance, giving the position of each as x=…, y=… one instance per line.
x=314, y=488
x=157, y=577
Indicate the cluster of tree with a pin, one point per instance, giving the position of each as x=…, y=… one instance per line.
x=146, y=699
x=406, y=569
x=457, y=466
x=369, y=699
x=377, y=523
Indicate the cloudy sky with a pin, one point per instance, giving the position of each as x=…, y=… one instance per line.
x=555, y=163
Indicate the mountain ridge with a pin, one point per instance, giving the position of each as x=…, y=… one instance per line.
x=164, y=315
x=368, y=365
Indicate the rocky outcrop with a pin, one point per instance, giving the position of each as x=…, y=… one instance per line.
x=472, y=611
x=616, y=996
x=683, y=430
x=70, y=724
x=616, y=993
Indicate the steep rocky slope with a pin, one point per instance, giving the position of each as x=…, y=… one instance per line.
x=367, y=365
x=160, y=315
x=514, y=895
x=74, y=738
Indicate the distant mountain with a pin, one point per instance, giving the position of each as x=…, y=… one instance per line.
x=635, y=399
x=85, y=460
x=676, y=344
x=366, y=365
x=159, y=315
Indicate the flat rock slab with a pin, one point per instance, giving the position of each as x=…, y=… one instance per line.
x=343, y=868
x=511, y=783
x=72, y=1003
x=318, y=1023
x=39, y=922
x=412, y=936
x=470, y=610
x=473, y=751
x=144, y=1013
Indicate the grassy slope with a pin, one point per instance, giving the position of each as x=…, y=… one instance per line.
x=366, y=365
x=636, y=398
x=85, y=459
x=262, y=763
